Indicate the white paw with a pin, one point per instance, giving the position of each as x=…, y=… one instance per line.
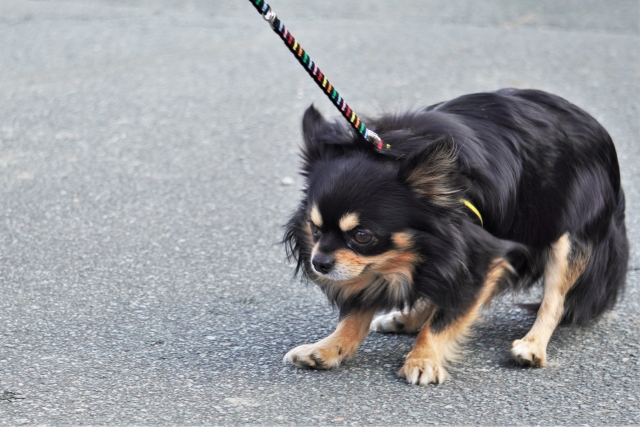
x=390, y=323
x=423, y=371
x=529, y=352
x=314, y=356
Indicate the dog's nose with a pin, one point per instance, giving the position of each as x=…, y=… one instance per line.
x=323, y=263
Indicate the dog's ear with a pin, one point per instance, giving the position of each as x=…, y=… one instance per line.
x=314, y=127
x=321, y=137
x=433, y=174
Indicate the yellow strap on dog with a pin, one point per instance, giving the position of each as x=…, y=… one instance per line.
x=474, y=209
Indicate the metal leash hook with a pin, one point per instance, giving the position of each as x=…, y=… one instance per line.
x=269, y=16
x=373, y=138
x=317, y=75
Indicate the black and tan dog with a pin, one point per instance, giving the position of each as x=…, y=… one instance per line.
x=477, y=195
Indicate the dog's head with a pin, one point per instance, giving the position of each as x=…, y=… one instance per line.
x=356, y=219
x=361, y=227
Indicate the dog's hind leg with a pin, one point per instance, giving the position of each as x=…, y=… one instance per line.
x=407, y=321
x=567, y=260
x=342, y=344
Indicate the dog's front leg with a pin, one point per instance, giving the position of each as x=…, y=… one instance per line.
x=426, y=363
x=342, y=344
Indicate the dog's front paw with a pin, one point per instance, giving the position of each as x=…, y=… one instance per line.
x=423, y=371
x=314, y=356
x=390, y=323
x=529, y=352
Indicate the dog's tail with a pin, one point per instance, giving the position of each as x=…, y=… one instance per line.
x=523, y=262
x=603, y=280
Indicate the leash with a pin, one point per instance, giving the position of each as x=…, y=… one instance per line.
x=321, y=80
x=317, y=75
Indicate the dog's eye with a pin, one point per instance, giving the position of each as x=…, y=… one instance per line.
x=315, y=231
x=363, y=237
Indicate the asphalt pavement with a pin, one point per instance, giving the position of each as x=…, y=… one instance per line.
x=148, y=161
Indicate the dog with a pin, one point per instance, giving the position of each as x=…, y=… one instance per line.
x=475, y=196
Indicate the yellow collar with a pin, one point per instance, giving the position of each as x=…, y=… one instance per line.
x=473, y=209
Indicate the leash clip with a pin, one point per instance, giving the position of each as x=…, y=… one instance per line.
x=373, y=138
x=269, y=16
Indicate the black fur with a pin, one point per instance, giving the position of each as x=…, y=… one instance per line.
x=533, y=164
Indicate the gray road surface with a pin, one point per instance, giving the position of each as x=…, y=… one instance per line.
x=143, y=148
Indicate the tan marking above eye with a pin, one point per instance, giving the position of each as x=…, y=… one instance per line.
x=349, y=221
x=402, y=240
x=315, y=216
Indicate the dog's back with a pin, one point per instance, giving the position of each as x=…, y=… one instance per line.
x=537, y=167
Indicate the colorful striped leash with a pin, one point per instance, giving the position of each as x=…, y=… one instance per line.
x=317, y=75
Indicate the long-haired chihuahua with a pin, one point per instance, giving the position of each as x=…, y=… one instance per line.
x=475, y=196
